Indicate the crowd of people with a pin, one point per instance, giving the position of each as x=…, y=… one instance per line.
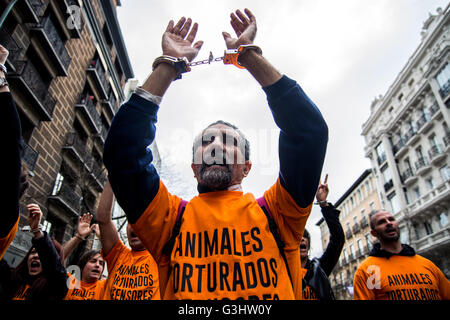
x=223, y=243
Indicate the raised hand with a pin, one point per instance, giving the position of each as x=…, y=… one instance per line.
x=34, y=218
x=245, y=28
x=3, y=54
x=177, y=39
x=322, y=191
x=84, y=225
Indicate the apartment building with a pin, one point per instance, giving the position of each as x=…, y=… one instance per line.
x=67, y=68
x=355, y=206
x=408, y=142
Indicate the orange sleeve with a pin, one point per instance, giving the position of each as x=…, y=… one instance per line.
x=291, y=221
x=6, y=241
x=290, y=217
x=112, y=257
x=155, y=225
x=444, y=284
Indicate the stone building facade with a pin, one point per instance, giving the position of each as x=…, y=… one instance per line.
x=67, y=69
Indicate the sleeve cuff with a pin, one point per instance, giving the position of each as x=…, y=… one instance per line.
x=148, y=96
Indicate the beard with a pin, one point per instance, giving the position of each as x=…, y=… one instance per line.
x=217, y=179
x=388, y=238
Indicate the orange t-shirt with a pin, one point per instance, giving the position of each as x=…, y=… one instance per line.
x=6, y=241
x=87, y=291
x=308, y=293
x=400, y=278
x=225, y=249
x=132, y=275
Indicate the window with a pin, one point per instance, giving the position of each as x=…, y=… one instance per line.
x=58, y=183
x=419, y=152
x=393, y=201
x=345, y=255
x=428, y=228
x=407, y=164
x=404, y=236
x=386, y=173
x=443, y=77
x=342, y=279
x=352, y=250
x=369, y=241
x=355, y=220
x=352, y=202
x=372, y=206
x=430, y=183
x=443, y=219
x=445, y=173
x=416, y=191
x=359, y=196
x=433, y=140
x=360, y=246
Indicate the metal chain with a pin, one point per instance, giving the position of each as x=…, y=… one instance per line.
x=206, y=61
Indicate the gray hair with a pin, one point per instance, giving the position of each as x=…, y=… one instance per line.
x=242, y=137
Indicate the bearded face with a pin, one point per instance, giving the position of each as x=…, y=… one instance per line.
x=219, y=158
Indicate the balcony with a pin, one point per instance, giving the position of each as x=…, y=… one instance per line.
x=447, y=142
x=111, y=104
x=408, y=177
x=98, y=174
x=75, y=27
x=66, y=198
x=423, y=124
x=381, y=158
x=355, y=228
x=32, y=10
x=87, y=108
x=77, y=149
x=96, y=72
x=388, y=185
x=436, y=154
x=15, y=51
x=445, y=90
x=29, y=156
x=348, y=234
x=28, y=82
x=363, y=223
x=400, y=147
x=411, y=136
x=434, y=110
x=53, y=46
x=422, y=166
x=430, y=242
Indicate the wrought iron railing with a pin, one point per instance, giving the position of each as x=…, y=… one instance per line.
x=29, y=156
x=56, y=41
x=33, y=80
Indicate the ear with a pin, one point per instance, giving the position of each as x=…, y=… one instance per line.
x=247, y=168
x=374, y=233
x=193, y=169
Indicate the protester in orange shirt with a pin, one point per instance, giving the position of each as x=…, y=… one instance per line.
x=89, y=287
x=132, y=273
x=225, y=248
x=393, y=271
x=41, y=274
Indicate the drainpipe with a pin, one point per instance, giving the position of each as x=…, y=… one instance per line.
x=6, y=12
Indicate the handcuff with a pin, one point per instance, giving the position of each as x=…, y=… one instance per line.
x=182, y=65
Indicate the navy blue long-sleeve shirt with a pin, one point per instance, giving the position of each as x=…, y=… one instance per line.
x=302, y=146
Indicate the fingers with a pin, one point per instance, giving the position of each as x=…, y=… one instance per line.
x=193, y=33
x=240, y=22
x=170, y=26
x=86, y=218
x=326, y=179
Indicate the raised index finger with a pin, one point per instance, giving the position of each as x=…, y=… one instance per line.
x=326, y=178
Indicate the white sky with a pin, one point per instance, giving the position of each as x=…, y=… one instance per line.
x=343, y=54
